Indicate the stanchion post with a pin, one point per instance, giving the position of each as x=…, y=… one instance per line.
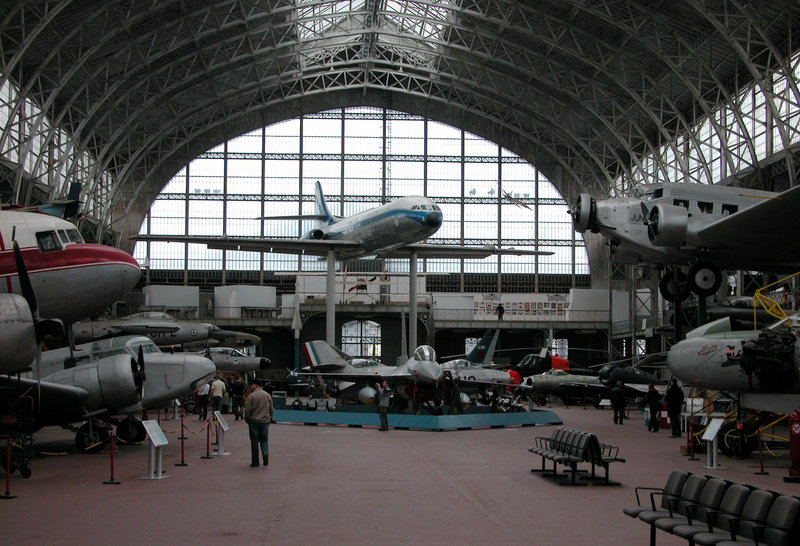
x=760, y=456
x=208, y=442
x=690, y=437
x=112, y=445
x=182, y=438
x=183, y=430
x=8, y=494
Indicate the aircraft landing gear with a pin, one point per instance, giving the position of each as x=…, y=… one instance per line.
x=19, y=457
x=705, y=279
x=674, y=286
x=735, y=442
x=131, y=431
x=92, y=437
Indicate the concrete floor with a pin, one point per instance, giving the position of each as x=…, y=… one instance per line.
x=334, y=485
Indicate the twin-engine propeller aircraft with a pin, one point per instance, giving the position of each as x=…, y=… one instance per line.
x=71, y=279
x=762, y=365
x=105, y=378
x=709, y=228
x=164, y=329
x=414, y=380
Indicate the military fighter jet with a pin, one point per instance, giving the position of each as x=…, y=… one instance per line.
x=414, y=380
x=709, y=228
x=471, y=371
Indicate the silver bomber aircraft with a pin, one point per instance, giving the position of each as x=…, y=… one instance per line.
x=709, y=228
x=164, y=329
x=762, y=365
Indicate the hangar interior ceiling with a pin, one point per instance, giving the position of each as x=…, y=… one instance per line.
x=598, y=95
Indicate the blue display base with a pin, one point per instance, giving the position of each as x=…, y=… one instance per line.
x=420, y=422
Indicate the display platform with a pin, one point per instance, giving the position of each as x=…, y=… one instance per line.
x=419, y=422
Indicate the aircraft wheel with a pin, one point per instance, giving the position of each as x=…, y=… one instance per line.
x=94, y=441
x=131, y=431
x=673, y=289
x=25, y=471
x=705, y=279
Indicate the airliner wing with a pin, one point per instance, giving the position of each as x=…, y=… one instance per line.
x=428, y=250
x=762, y=232
x=257, y=244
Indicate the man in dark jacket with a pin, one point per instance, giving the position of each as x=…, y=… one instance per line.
x=384, y=400
x=674, y=402
x=618, y=402
x=653, y=401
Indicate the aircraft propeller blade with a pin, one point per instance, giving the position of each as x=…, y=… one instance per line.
x=140, y=362
x=645, y=212
x=25, y=282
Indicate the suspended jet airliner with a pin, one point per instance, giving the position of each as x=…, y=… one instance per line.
x=390, y=231
x=709, y=228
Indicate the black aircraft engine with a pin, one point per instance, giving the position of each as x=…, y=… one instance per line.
x=771, y=359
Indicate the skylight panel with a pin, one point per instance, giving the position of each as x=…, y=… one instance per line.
x=315, y=18
x=424, y=20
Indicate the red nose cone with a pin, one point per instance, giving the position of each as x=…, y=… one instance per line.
x=516, y=378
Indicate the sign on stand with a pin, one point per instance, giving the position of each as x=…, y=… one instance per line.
x=222, y=428
x=154, y=450
x=710, y=438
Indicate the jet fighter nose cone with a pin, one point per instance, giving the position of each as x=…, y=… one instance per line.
x=434, y=219
x=429, y=371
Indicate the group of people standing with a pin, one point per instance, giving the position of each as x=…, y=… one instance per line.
x=248, y=402
x=654, y=402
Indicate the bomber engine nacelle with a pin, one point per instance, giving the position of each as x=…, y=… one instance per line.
x=367, y=395
x=667, y=225
x=111, y=383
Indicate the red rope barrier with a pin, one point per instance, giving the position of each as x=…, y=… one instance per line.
x=112, y=481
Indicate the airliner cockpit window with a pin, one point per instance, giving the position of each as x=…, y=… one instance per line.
x=47, y=241
x=74, y=236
